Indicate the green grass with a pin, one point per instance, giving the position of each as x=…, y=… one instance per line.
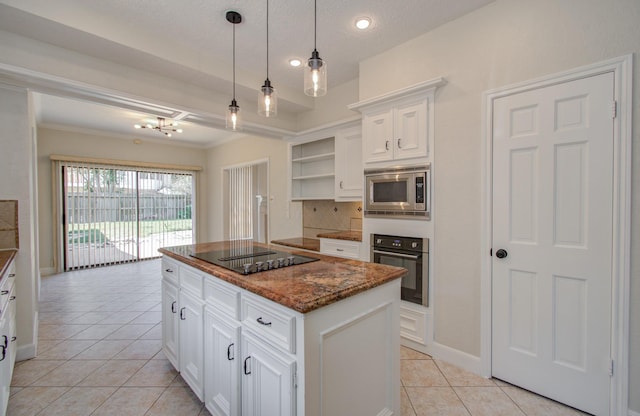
x=103, y=231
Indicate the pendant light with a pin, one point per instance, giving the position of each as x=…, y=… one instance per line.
x=233, y=115
x=315, y=75
x=267, y=96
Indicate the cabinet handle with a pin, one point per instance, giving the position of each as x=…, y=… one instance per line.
x=168, y=270
x=173, y=307
x=13, y=339
x=4, y=292
x=12, y=275
x=182, y=317
x=6, y=341
x=399, y=147
x=12, y=298
x=229, y=357
x=339, y=249
x=386, y=145
x=341, y=184
x=4, y=352
x=245, y=366
x=260, y=321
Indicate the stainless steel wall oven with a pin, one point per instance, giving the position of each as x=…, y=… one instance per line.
x=410, y=253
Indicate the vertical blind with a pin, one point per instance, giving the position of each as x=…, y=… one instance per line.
x=115, y=215
x=241, y=203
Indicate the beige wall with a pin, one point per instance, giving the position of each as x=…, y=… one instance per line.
x=90, y=145
x=503, y=43
x=285, y=219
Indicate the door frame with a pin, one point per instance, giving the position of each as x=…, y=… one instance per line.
x=622, y=68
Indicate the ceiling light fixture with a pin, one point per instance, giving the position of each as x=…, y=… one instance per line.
x=295, y=62
x=363, y=23
x=233, y=115
x=315, y=77
x=162, y=126
x=267, y=97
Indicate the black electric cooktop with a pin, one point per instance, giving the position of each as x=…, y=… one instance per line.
x=252, y=259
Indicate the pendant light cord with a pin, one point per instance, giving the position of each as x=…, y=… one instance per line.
x=267, y=39
x=315, y=24
x=234, y=62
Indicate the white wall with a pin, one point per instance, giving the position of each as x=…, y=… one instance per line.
x=17, y=181
x=503, y=43
x=285, y=219
x=90, y=145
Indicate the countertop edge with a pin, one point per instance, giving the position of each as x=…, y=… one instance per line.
x=298, y=306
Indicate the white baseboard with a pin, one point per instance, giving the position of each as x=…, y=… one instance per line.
x=456, y=357
x=28, y=351
x=47, y=271
x=632, y=413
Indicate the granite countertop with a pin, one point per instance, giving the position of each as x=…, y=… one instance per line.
x=312, y=244
x=343, y=235
x=303, y=287
x=5, y=258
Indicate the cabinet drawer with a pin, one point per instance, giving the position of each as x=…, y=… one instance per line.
x=222, y=296
x=340, y=248
x=170, y=270
x=276, y=324
x=191, y=280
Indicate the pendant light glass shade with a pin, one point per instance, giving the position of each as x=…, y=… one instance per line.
x=233, y=120
x=315, y=74
x=267, y=96
x=268, y=100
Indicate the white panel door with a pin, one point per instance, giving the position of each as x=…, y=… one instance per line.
x=552, y=216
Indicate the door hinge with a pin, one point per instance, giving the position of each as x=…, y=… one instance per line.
x=295, y=380
x=614, y=109
x=611, y=369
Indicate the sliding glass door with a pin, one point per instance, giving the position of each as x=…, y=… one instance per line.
x=115, y=215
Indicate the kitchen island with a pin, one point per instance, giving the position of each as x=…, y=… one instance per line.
x=320, y=338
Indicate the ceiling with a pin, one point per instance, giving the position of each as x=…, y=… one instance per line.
x=190, y=41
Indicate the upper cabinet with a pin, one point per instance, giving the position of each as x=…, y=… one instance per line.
x=349, y=172
x=327, y=163
x=399, y=125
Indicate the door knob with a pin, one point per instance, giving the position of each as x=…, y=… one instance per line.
x=502, y=253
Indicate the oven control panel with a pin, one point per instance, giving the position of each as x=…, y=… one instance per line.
x=400, y=243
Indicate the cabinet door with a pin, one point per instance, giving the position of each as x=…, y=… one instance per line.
x=349, y=174
x=410, y=135
x=192, y=341
x=170, y=323
x=377, y=131
x=5, y=361
x=221, y=363
x=268, y=386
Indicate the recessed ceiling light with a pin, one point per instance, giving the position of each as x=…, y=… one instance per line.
x=363, y=23
x=295, y=62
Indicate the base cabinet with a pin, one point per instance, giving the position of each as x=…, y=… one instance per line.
x=7, y=334
x=261, y=358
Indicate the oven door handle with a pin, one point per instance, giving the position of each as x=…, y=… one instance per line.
x=392, y=254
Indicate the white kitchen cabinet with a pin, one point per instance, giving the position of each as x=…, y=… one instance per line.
x=313, y=169
x=183, y=323
x=268, y=386
x=7, y=334
x=221, y=363
x=262, y=358
x=348, y=164
x=170, y=323
x=399, y=126
x=396, y=133
x=340, y=248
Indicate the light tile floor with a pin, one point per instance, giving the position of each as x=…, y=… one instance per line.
x=99, y=353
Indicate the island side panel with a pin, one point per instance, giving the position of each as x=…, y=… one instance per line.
x=352, y=355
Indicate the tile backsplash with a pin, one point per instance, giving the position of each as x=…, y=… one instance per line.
x=329, y=216
x=8, y=224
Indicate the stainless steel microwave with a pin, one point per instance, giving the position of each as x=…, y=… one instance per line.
x=400, y=192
